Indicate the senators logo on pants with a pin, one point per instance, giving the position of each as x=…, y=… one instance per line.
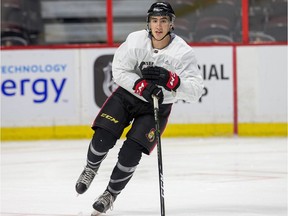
x=151, y=135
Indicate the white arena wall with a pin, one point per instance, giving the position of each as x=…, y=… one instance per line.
x=56, y=93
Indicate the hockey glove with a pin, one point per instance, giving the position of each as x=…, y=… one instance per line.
x=146, y=90
x=160, y=76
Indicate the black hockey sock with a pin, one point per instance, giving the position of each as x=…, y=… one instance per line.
x=128, y=159
x=102, y=141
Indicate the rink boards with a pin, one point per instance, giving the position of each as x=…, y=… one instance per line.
x=56, y=93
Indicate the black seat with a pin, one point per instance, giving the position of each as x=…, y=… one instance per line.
x=277, y=28
x=12, y=34
x=259, y=37
x=209, y=26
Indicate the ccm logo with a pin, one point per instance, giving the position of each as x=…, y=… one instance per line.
x=110, y=118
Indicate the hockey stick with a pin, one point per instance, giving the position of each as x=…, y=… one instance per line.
x=158, y=140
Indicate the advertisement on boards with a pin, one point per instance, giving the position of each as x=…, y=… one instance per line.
x=68, y=87
x=216, y=104
x=96, y=80
x=39, y=87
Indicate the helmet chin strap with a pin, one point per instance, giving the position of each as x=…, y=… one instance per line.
x=168, y=33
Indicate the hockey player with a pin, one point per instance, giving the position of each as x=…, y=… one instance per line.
x=150, y=62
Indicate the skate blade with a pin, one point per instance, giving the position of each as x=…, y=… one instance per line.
x=96, y=213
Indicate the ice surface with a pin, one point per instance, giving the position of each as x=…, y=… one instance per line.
x=202, y=177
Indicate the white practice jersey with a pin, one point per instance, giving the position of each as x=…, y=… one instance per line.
x=178, y=57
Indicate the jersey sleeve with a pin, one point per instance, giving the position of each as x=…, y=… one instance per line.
x=124, y=64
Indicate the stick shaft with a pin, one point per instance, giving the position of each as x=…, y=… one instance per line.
x=159, y=152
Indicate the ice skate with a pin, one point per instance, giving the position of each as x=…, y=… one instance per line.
x=85, y=179
x=103, y=203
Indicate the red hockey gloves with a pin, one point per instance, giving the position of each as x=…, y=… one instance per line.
x=146, y=89
x=160, y=76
